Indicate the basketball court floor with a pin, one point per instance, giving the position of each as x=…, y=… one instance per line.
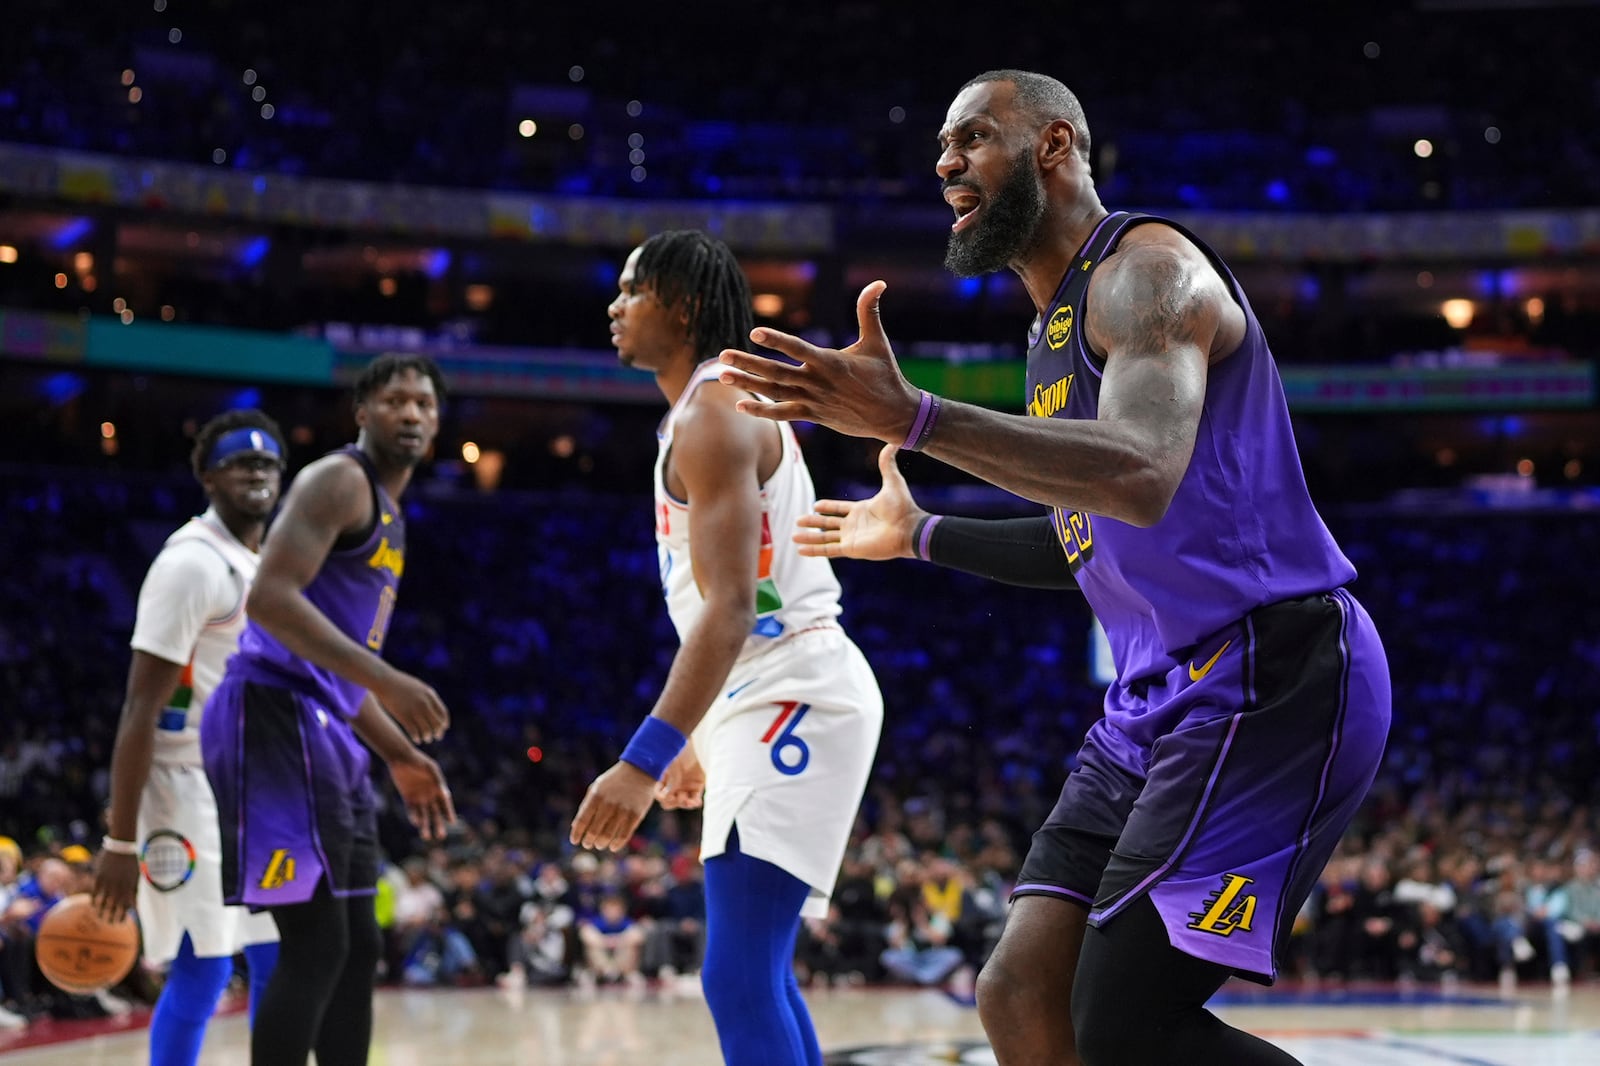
x=1362, y=1026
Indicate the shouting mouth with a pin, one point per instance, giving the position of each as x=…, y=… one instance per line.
x=966, y=203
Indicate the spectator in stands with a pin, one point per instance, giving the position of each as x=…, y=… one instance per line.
x=612, y=944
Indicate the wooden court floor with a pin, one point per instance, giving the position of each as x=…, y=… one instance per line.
x=1369, y=1026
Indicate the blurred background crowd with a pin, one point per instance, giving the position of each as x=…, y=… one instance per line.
x=1475, y=857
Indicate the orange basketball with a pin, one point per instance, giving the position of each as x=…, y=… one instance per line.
x=81, y=953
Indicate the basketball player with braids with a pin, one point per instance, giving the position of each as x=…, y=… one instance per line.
x=782, y=707
x=163, y=816
x=1252, y=696
x=283, y=733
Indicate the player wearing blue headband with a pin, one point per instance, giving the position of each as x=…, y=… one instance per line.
x=163, y=817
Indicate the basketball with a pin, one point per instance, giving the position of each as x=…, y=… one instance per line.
x=80, y=952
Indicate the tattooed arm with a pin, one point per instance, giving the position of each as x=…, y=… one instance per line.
x=1158, y=314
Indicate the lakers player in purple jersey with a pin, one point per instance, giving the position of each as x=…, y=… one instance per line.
x=282, y=734
x=1252, y=695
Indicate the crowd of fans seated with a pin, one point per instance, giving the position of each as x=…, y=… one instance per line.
x=1238, y=105
x=537, y=616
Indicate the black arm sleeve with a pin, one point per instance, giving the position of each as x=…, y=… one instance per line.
x=1015, y=551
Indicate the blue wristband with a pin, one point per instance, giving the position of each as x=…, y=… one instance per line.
x=653, y=746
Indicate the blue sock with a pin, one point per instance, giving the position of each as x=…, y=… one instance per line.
x=260, y=959
x=187, y=1001
x=752, y=918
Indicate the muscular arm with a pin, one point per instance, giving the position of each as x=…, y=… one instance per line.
x=151, y=682
x=716, y=453
x=329, y=498
x=1154, y=311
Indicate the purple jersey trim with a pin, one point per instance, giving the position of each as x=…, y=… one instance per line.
x=1035, y=887
x=1194, y=825
x=1303, y=840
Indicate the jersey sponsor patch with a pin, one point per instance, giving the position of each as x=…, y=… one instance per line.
x=1059, y=328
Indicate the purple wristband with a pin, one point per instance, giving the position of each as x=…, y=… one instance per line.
x=922, y=425
x=924, y=537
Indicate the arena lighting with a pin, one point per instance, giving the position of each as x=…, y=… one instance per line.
x=767, y=304
x=470, y=452
x=1423, y=148
x=527, y=127
x=70, y=233
x=1457, y=313
x=8, y=253
x=435, y=261
x=252, y=254
x=108, y=430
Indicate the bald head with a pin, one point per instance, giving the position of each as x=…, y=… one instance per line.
x=1041, y=99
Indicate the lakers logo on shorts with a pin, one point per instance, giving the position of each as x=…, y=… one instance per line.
x=280, y=869
x=1228, y=908
x=166, y=860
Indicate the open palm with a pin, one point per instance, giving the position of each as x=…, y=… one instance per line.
x=876, y=528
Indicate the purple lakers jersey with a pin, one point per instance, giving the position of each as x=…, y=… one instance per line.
x=355, y=589
x=1241, y=531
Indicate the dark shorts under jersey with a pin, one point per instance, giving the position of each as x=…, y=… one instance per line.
x=294, y=799
x=1221, y=789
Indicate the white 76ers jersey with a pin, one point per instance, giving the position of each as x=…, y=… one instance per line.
x=793, y=592
x=191, y=611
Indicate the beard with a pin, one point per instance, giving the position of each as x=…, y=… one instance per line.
x=1008, y=227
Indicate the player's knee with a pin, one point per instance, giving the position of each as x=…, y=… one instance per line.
x=726, y=988
x=1002, y=992
x=366, y=943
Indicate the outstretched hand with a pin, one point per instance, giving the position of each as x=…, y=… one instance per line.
x=857, y=390
x=877, y=528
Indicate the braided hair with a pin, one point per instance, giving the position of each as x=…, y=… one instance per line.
x=694, y=270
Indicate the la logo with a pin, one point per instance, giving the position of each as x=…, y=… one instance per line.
x=1228, y=909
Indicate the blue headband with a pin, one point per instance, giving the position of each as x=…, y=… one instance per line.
x=242, y=441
